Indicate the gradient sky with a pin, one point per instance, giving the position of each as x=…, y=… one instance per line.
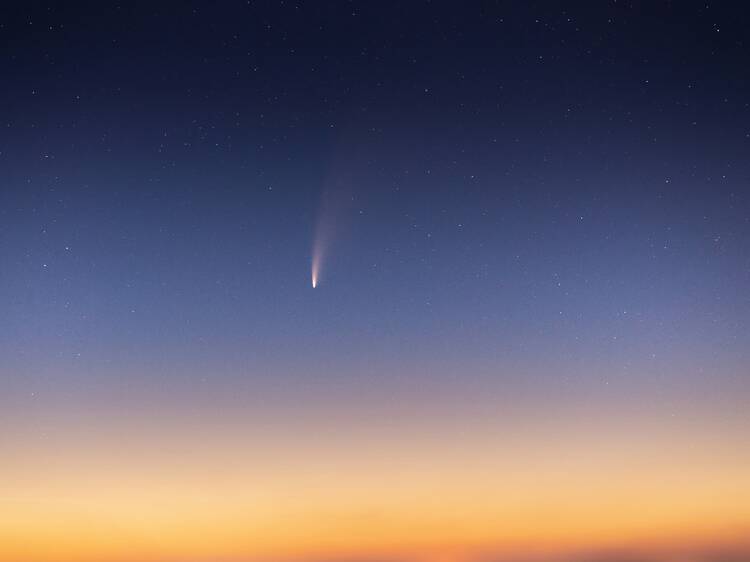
x=530, y=336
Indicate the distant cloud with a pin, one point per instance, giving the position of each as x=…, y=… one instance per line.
x=617, y=557
x=730, y=554
x=726, y=555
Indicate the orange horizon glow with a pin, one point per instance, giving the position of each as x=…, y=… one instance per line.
x=417, y=486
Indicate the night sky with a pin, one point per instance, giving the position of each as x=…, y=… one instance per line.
x=528, y=227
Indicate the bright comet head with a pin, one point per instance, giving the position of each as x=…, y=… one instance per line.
x=317, y=259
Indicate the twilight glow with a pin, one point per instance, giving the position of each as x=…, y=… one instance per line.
x=528, y=228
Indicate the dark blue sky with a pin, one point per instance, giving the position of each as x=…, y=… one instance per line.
x=521, y=179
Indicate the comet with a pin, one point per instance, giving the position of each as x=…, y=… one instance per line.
x=335, y=209
x=315, y=267
x=332, y=216
x=328, y=222
x=321, y=241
